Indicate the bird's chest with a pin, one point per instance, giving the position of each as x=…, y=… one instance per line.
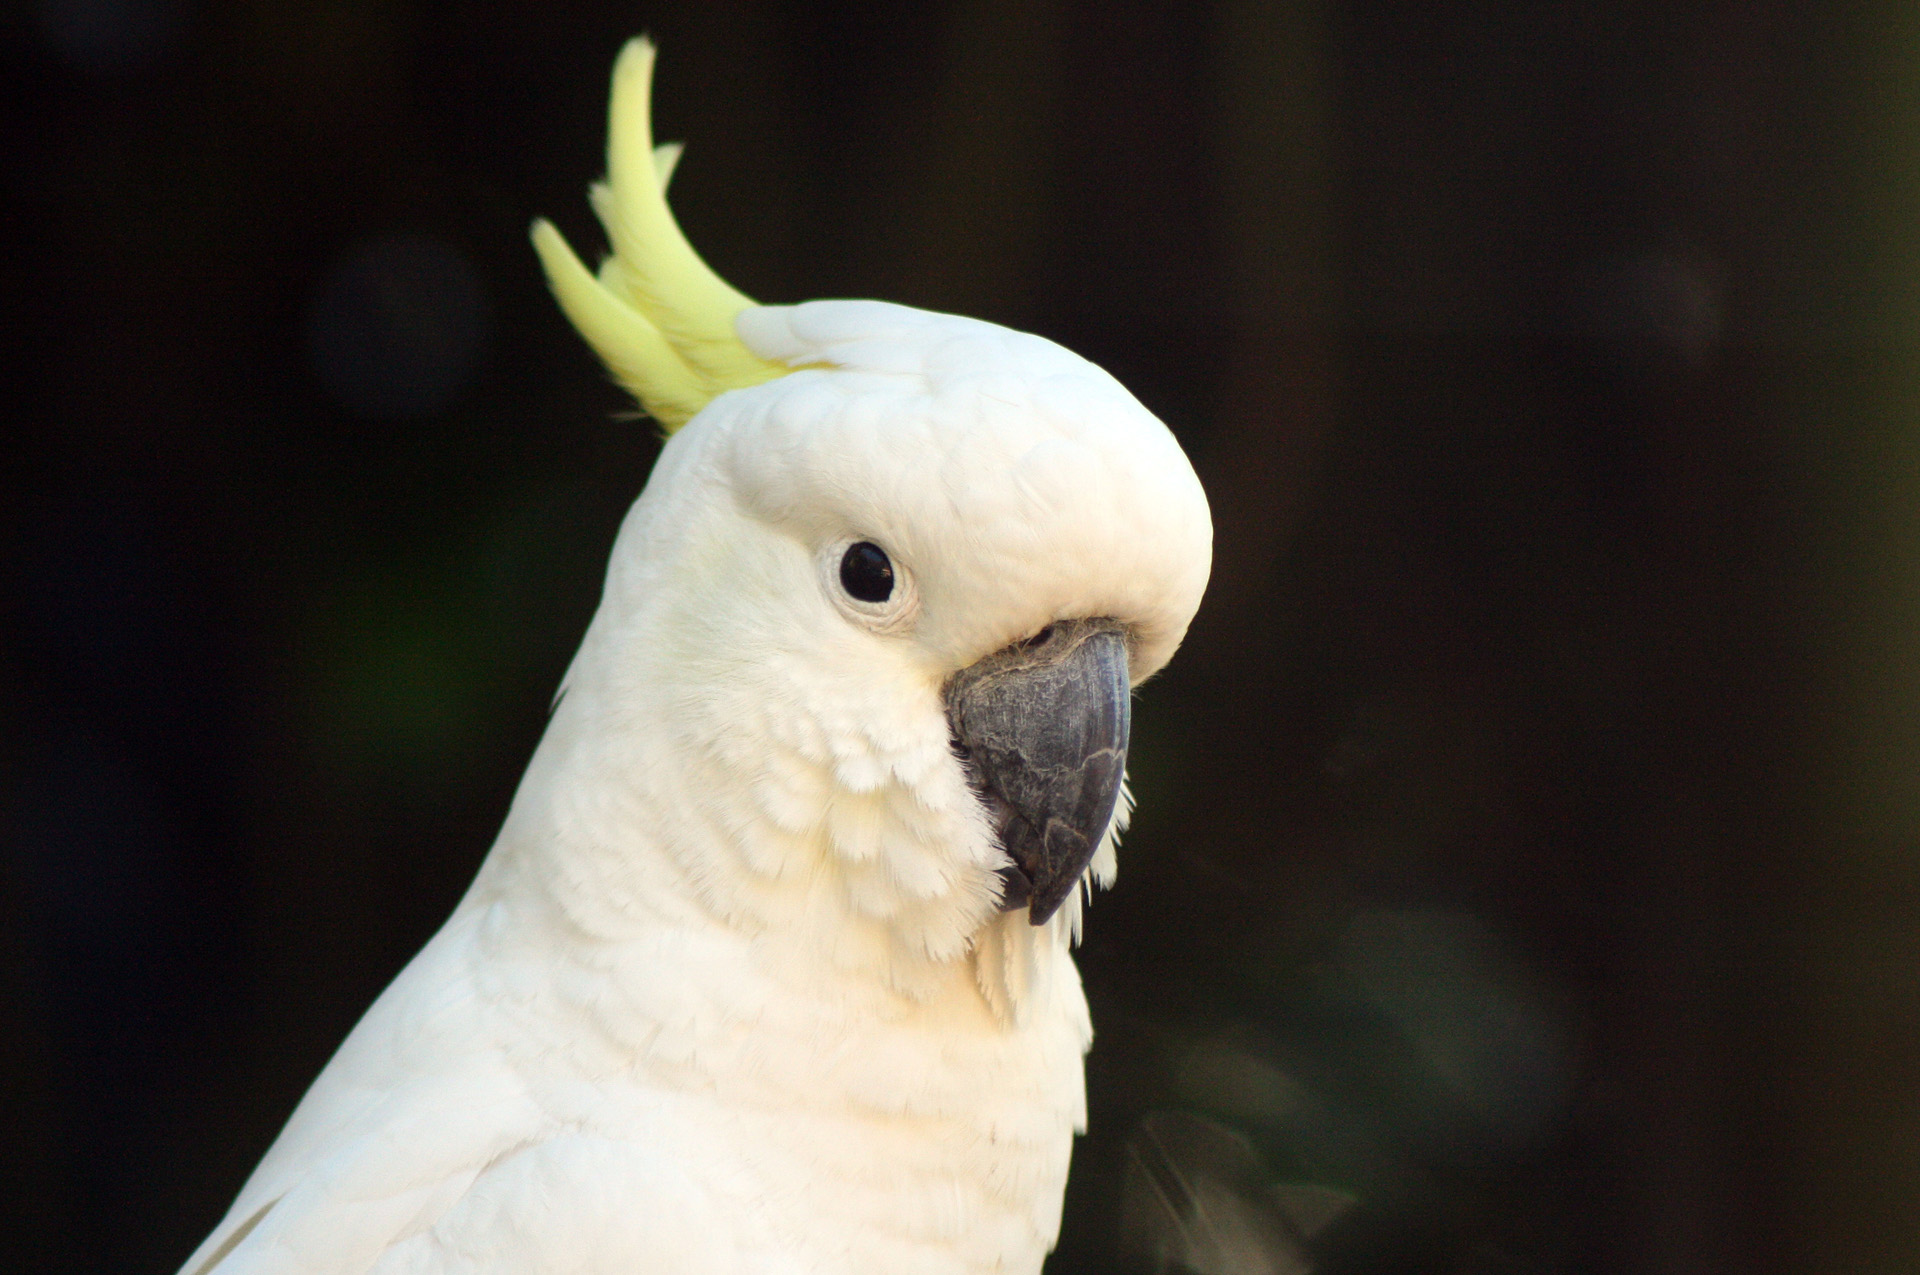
x=878, y=1154
x=861, y=1136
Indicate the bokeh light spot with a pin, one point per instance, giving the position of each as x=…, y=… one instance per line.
x=104, y=36
x=397, y=326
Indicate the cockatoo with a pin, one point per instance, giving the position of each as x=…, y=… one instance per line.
x=769, y=969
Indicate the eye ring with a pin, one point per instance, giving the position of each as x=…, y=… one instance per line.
x=869, y=585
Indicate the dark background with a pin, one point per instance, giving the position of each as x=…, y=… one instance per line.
x=1529, y=853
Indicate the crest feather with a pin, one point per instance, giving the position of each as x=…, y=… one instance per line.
x=656, y=314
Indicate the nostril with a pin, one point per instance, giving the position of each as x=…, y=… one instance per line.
x=1037, y=639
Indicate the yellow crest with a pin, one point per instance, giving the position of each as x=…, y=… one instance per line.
x=657, y=315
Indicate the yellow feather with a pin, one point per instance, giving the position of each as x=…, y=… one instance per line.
x=657, y=315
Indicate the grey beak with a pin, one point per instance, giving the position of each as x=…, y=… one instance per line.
x=1042, y=729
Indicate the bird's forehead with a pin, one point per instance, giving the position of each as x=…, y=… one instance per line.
x=1018, y=482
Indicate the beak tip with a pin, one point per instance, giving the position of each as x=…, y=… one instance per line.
x=1038, y=915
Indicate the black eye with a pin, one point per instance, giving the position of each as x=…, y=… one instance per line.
x=866, y=573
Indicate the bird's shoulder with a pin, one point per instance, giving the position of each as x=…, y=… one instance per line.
x=411, y=1108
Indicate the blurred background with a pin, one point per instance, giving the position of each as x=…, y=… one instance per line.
x=1527, y=876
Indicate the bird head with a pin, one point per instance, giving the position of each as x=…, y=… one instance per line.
x=878, y=615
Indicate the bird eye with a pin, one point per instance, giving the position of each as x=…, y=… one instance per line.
x=866, y=572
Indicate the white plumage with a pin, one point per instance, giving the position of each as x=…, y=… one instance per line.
x=733, y=991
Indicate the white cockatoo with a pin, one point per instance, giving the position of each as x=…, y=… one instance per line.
x=769, y=970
